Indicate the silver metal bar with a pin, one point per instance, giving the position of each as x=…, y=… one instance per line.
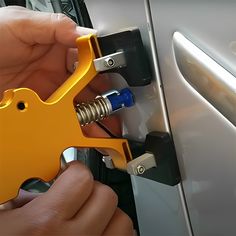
x=140, y=164
x=111, y=61
x=108, y=162
x=211, y=80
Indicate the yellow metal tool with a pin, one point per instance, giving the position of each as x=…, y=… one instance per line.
x=34, y=133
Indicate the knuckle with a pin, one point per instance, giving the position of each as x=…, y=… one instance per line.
x=108, y=194
x=62, y=18
x=79, y=173
x=46, y=222
x=82, y=172
x=124, y=219
x=87, y=177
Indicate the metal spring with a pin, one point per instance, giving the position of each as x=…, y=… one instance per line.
x=93, y=111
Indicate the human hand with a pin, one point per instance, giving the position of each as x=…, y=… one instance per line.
x=74, y=205
x=37, y=53
x=34, y=48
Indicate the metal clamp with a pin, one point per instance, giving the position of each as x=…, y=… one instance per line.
x=154, y=159
x=140, y=164
x=111, y=61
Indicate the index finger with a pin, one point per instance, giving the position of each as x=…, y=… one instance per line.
x=68, y=193
x=33, y=27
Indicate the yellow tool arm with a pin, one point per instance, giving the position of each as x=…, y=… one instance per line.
x=34, y=133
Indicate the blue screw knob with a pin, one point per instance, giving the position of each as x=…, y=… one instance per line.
x=124, y=98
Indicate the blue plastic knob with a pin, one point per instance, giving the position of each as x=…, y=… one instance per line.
x=124, y=98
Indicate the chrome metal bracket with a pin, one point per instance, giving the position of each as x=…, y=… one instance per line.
x=155, y=159
x=111, y=61
x=124, y=53
x=108, y=162
x=140, y=164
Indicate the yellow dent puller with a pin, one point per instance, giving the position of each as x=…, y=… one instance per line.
x=34, y=133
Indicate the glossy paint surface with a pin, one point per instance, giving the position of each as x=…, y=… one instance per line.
x=205, y=141
x=159, y=207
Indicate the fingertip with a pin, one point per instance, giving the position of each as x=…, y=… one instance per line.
x=107, y=192
x=126, y=219
x=120, y=218
x=76, y=170
x=71, y=59
x=65, y=30
x=69, y=192
x=69, y=31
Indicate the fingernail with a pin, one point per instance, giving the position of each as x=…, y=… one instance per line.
x=84, y=31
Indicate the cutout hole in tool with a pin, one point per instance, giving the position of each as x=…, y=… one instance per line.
x=125, y=147
x=95, y=47
x=21, y=106
x=35, y=185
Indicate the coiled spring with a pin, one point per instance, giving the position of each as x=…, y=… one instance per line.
x=93, y=111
